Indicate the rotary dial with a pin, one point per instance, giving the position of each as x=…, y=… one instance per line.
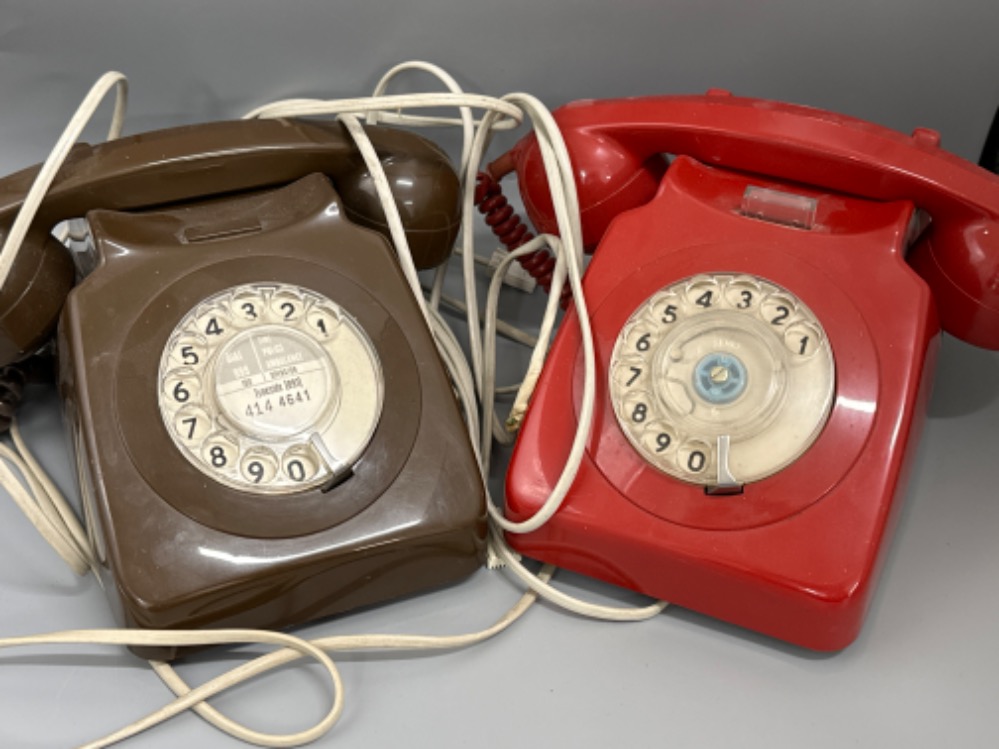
x=270, y=388
x=722, y=379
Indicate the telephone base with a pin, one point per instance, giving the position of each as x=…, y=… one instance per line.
x=795, y=555
x=206, y=503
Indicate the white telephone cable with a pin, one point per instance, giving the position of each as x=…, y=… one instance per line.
x=365, y=104
x=562, y=186
x=345, y=643
x=190, y=698
x=50, y=167
x=498, y=114
x=44, y=504
x=467, y=131
x=490, y=318
x=556, y=161
x=465, y=113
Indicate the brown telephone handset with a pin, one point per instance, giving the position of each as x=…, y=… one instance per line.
x=206, y=161
x=264, y=432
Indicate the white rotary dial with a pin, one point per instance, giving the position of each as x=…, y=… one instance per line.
x=270, y=388
x=722, y=379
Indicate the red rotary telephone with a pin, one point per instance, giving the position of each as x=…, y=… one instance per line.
x=766, y=314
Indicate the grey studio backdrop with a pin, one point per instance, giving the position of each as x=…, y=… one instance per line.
x=925, y=669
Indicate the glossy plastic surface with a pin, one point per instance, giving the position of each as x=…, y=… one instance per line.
x=610, y=141
x=794, y=555
x=180, y=550
x=203, y=161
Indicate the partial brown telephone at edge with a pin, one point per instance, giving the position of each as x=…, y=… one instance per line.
x=263, y=430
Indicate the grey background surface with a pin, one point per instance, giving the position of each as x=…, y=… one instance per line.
x=924, y=670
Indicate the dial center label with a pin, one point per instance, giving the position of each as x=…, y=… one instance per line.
x=273, y=381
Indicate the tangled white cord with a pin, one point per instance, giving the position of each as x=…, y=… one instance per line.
x=57, y=522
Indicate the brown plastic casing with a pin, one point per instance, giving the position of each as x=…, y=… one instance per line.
x=179, y=550
x=198, y=162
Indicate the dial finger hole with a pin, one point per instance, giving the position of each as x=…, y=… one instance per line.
x=247, y=307
x=702, y=293
x=181, y=387
x=659, y=439
x=259, y=466
x=630, y=373
x=637, y=410
x=220, y=452
x=693, y=457
x=214, y=324
x=300, y=463
x=803, y=339
x=777, y=309
x=666, y=309
x=192, y=424
x=640, y=340
x=322, y=322
x=743, y=294
x=188, y=351
x=287, y=306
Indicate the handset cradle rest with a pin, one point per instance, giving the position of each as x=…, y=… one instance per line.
x=761, y=380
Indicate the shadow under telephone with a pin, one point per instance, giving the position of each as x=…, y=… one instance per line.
x=264, y=432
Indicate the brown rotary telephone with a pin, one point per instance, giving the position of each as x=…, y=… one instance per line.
x=263, y=430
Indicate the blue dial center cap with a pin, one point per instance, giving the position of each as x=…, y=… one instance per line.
x=720, y=378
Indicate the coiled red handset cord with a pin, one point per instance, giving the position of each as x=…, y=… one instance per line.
x=513, y=232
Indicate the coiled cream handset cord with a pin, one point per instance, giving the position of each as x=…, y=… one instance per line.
x=474, y=383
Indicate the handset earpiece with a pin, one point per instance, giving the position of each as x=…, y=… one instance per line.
x=610, y=178
x=425, y=186
x=33, y=294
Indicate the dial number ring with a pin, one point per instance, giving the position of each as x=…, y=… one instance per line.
x=731, y=375
x=251, y=383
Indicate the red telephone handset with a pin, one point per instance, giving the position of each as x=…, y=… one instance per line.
x=616, y=146
x=766, y=348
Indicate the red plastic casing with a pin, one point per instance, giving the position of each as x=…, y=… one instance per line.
x=795, y=556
